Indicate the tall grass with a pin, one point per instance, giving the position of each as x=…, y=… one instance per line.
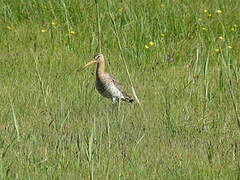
x=179, y=58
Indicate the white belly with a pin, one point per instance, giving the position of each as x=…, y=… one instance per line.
x=114, y=91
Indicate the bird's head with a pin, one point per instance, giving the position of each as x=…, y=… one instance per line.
x=96, y=59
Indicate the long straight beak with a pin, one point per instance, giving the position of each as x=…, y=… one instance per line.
x=89, y=63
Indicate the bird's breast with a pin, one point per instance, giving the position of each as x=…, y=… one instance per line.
x=102, y=88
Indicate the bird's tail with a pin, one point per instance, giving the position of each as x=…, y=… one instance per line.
x=128, y=99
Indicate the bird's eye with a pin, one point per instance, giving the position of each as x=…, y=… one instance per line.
x=97, y=56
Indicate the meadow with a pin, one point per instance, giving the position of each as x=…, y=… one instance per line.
x=180, y=57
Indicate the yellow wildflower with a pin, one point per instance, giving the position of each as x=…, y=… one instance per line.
x=43, y=30
x=221, y=38
x=146, y=46
x=9, y=27
x=205, y=11
x=230, y=47
x=53, y=23
x=217, y=50
x=219, y=11
x=204, y=29
x=235, y=25
x=151, y=43
x=209, y=15
x=233, y=29
x=72, y=32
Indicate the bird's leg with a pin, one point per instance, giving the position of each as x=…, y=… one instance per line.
x=113, y=100
x=115, y=109
x=119, y=104
x=121, y=115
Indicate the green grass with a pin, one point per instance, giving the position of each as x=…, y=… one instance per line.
x=53, y=123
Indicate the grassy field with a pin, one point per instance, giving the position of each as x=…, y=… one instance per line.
x=184, y=64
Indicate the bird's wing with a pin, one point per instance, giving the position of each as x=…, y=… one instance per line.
x=118, y=86
x=115, y=82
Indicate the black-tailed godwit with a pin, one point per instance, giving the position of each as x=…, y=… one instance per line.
x=106, y=85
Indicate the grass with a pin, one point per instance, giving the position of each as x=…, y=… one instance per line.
x=53, y=123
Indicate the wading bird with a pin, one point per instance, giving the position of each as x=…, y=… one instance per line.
x=106, y=85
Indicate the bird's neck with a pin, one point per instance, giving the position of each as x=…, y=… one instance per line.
x=100, y=67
